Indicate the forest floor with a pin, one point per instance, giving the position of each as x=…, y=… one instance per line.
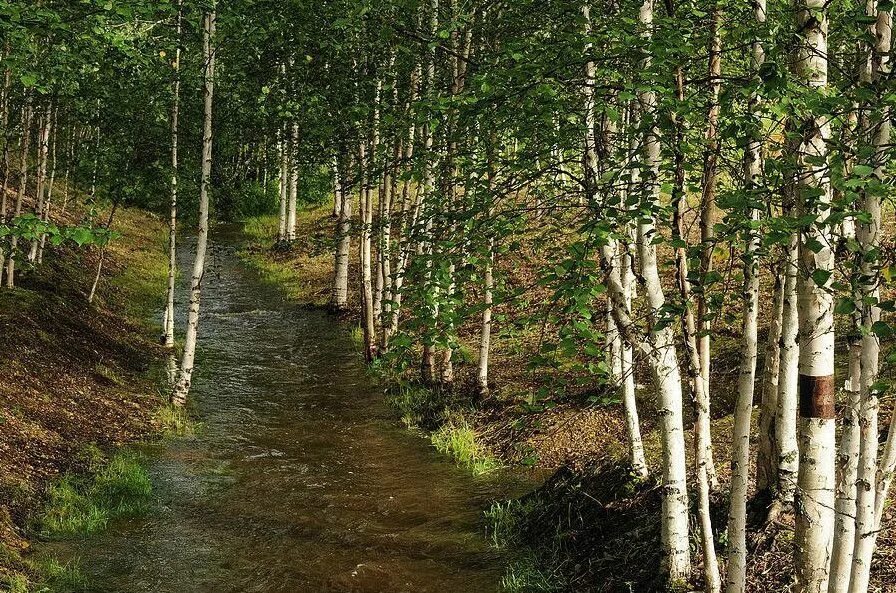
x=78, y=380
x=590, y=527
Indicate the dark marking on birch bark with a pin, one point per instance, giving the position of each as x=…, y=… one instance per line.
x=817, y=397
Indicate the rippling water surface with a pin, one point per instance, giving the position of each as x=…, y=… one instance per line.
x=300, y=479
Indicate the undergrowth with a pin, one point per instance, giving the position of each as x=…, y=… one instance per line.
x=175, y=421
x=84, y=505
x=527, y=572
x=457, y=439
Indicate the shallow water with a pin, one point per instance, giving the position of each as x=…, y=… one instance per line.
x=300, y=479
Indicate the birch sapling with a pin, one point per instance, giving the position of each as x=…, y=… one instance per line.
x=870, y=496
x=182, y=387
x=27, y=115
x=743, y=412
x=676, y=555
x=168, y=327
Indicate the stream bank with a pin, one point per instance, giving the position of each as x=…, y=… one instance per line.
x=79, y=380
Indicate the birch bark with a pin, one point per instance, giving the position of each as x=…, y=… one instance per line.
x=182, y=387
x=814, y=501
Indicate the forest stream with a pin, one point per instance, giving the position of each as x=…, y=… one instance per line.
x=300, y=479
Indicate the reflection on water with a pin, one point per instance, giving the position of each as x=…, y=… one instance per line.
x=300, y=480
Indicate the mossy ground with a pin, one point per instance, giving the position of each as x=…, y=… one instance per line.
x=78, y=382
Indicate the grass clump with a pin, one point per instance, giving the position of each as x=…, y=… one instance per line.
x=302, y=270
x=16, y=583
x=457, y=439
x=145, y=272
x=504, y=519
x=176, y=422
x=526, y=575
x=57, y=577
x=81, y=506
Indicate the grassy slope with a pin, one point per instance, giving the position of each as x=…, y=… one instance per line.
x=75, y=378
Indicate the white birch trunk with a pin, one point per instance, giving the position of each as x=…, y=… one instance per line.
x=814, y=501
x=168, y=326
x=51, y=182
x=182, y=387
x=768, y=453
x=872, y=486
x=43, y=155
x=339, y=300
x=284, y=187
x=743, y=411
x=293, y=159
x=676, y=555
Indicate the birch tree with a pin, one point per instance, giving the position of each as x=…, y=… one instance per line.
x=182, y=386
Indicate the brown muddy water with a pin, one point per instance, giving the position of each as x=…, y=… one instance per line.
x=300, y=478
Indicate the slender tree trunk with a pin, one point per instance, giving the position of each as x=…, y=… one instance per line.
x=743, y=412
x=788, y=384
x=768, y=453
x=427, y=366
x=707, y=202
x=367, y=320
x=43, y=157
x=409, y=211
x=182, y=387
x=815, y=484
x=676, y=554
x=284, y=187
x=339, y=300
x=293, y=160
x=51, y=182
x=23, y=179
x=847, y=462
x=99, y=265
x=168, y=335
x=703, y=458
x=872, y=485
x=337, y=187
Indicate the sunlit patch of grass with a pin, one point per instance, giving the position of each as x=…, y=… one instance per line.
x=410, y=402
x=176, y=422
x=302, y=270
x=57, y=577
x=141, y=282
x=109, y=374
x=261, y=228
x=357, y=338
x=16, y=583
x=81, y=506
x=457, y=439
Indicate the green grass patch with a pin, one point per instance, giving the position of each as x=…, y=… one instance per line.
x=526, y=572
x=302, y=270
x=262, y=229
x=58, y=577
x=81, y=506
x=176, y=422
x=526, y=575
x=457, y=439
x=503, y=520
x=141, y=282
x=16, y=583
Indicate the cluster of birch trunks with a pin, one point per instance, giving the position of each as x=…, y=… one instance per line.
x=810, y=184
x=42, y=140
